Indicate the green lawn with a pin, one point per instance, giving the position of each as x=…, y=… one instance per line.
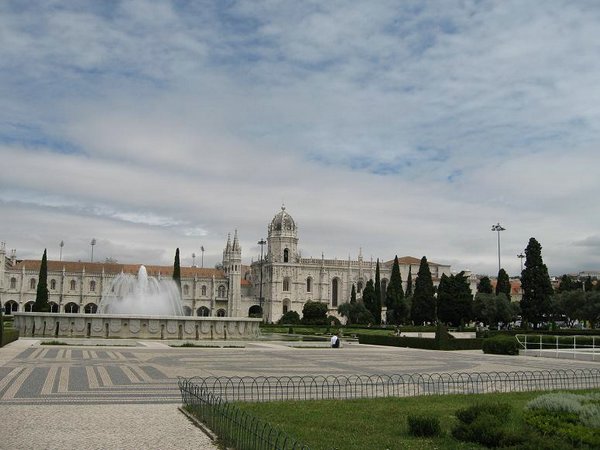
x=376, y=423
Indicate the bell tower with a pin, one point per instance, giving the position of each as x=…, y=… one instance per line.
x=282, y=240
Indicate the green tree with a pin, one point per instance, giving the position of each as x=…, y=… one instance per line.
x=454, y=300
x=409, y=282
x=590, y=310
x=177, y=270
x=355, y=313
x=567, y=306
x=423, y=301
x=290, y=318
x=353, y=295
x=535, y=282
x=588, y=285
x=314, y=313
x=368, y=298
x=566, y=284
x=484, y=308
x=394, y=299
x=376, y=311
x=41, y=298
x=503, y=284
x=485, y=286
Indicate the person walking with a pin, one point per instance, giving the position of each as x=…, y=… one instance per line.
x=335, y=341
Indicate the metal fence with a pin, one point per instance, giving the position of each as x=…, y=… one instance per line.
x=234, y=427
x=209, y=398
x=267, y=389
x=573, y=347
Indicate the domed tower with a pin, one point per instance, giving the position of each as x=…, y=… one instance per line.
x=282, y=240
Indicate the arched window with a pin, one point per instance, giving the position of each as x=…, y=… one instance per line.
x=359, y=287
x=53, y=284
x=29, y=306
x=286, y=284
x=186, y=291
x=309, y=284
x=72, y=308
x=53, y=307
x=334, y=292
x=73, y=285
x=187, y=311
x=286, y=305
x=203, y=311
x=204, y=291
x=221, y=313
x=92, y=286
x=13, y=283
x=32, y=283
x=90, y=308
x=221, y=291
x=286, y=255
x=255, y=311
x=10, y=307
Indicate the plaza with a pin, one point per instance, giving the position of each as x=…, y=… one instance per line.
x=124, y=394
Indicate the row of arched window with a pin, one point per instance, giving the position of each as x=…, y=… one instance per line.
x=221, y=291
x=12, y=306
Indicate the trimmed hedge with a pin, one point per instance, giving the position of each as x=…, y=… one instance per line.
x=501, y=345
x=424, y=343
x=8, y=335
x=515, y=331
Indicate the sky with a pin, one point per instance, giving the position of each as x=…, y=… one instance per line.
x=395, y=127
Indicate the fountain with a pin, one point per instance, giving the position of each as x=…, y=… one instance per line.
x=137, y=307
x=130, y=294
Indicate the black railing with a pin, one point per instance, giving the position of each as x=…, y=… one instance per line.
x=234, y=427
x=266, y=389
x=209, y=398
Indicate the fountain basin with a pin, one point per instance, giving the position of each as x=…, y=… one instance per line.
x=138, y=326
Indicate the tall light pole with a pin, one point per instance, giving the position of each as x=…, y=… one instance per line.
x=92, y=244
x=61, y=245
x=202, y=250
x=521, y=256
x=193, y=260
x=262, y=242
x=498, y=228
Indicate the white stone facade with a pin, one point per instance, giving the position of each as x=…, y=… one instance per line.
x=288, y=281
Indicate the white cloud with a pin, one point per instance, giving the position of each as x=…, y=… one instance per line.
x=403, y=128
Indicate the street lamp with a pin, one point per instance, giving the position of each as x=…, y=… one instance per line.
x=92, y=244
x=521, y=256
x=61, y=245
x=193, y=260
x=202, y=250
x=498, y=228
x=262, y=242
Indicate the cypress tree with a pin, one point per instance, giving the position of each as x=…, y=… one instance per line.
x=377, y=302
x=454, y=299
x=485, y=286
x=41, y=297
x=394, y=299
x=535, y=282
x=503, y=284
x=423, y=302
x=177, y=270
x=353, y=295
x=409, y=284
x=588, y=285
x=368, y=297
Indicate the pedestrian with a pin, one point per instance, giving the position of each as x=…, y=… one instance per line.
x=335, y=341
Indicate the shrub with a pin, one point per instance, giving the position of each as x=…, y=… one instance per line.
x=501, y=345
x=423, y=426
x=333, y=321
x=485, y=423
x=290, y=318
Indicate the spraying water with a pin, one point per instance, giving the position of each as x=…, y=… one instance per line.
x=141, y=295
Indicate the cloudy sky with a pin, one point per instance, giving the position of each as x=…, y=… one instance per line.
x=402, y=127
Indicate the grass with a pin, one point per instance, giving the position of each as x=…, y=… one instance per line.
x=378, y=423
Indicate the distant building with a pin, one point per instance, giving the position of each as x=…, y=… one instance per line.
x=288, y=281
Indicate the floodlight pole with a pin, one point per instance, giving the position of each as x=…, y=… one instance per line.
x=498, y=228
x=262, y=242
